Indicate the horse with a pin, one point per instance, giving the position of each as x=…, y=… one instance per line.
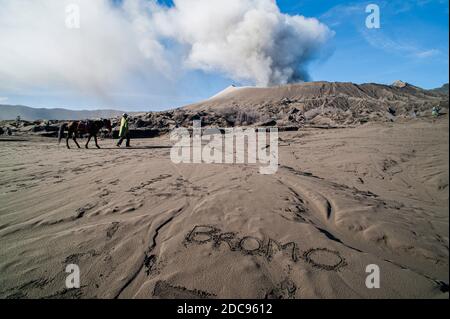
x=91, y=127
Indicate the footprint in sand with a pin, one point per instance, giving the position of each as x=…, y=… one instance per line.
x=104, y=192
x=130, y=207
x=82, y=210
x=297, y=210
x=77, y=257
x=285, y=290
x=167, y=291
x=112, y=230
x=144, y=186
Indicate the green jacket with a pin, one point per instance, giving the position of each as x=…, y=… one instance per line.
x=123, y=127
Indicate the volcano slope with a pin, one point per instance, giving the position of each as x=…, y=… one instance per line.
x=323, y=104
x=317, y=103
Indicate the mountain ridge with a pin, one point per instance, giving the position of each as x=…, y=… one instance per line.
x=289, y=104
x=252, y=96
x=11, y=112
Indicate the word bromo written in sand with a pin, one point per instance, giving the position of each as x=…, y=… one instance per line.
x=322, y=258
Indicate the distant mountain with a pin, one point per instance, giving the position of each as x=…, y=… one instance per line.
x=317, y=103
x=310, y=95
x=443, y=89
x=10, y=112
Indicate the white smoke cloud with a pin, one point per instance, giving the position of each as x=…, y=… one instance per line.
x=247, y=40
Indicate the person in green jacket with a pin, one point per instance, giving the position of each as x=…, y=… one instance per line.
x=435, y=111
x=124, y=132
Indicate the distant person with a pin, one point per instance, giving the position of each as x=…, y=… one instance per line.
x=124, y=132
x=435, y=111
x=8, y=131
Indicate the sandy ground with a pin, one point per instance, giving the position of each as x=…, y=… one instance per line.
x=140, y=226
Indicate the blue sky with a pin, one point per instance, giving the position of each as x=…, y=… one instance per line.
x=411, y=45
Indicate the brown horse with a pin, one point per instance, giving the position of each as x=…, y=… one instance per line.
x=90, y=127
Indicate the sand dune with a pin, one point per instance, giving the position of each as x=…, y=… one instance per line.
x=140, y=226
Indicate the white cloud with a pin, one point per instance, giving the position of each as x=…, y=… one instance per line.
x=38, y=50
x=344, y=13
x=3, y=99
x=244, y=39
x=427, y=53
x=379, y=40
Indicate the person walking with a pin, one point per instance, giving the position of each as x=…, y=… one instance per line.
x=435, y=111
x=124, y=133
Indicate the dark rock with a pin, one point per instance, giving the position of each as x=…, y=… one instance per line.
x=269, y=123
x=392, y=111
x=38, y=128
x=195, y=117
x=141, y=123
x=51, y=128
